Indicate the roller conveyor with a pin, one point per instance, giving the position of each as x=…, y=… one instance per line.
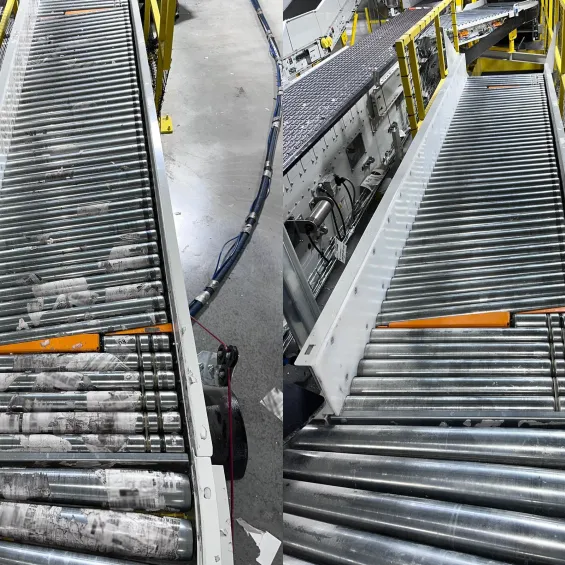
x=105, y=450
x=445, y=441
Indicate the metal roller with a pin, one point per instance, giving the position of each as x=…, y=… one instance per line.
x=88, y=443
x=458, y=386
x=337, y=545
x=126, y=534
x=11, y=553
x=110, y=401
x=524, y=489
x=463, y=336
x=119, y=323
x=90, y=362
x=469, y=404
x=391, y=367
x=456, y=350
x=62, y=423
x=510, y=536
x=135, y=343
x=104, y=488
x=534, y=447
x=72, y=380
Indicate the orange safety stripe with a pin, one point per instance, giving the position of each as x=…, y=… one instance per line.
x=163, y=329
x=70, y=344
x=85, y=11
x=486, y=320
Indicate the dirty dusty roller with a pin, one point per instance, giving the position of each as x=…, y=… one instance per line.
x=106, y=453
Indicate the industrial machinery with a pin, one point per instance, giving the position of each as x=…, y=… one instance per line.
x=107, y=455
x=340, y=142
x=311, y=31
x=440, y=352
x=346, y=127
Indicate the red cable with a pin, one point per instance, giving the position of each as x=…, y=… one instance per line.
x=230, y=433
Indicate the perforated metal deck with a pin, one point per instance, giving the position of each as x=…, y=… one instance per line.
x=316, y=101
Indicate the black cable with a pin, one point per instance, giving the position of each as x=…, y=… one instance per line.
x=320, y=252
x=352, y=202
x=322, y=189
x=345, y=179
x=340, y=181
x=224, y=267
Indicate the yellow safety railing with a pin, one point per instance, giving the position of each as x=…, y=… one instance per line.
x=162, y=14
x=409, y=66
x=552, y=14
x=10, y=8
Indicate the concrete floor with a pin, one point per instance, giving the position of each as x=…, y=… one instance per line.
x=220, y=96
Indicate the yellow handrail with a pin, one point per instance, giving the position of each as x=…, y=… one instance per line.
x=409, y=67
x=11, y=7
x=162, y=14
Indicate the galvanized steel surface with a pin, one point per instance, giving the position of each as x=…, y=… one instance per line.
x=78, y=244
x=488, y=234
x=346, y=495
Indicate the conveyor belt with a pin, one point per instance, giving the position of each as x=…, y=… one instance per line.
x=447, y=444
x=319, y=99
x=96, y=452
x=488, y=234
x=392, y=495
x=77, y=221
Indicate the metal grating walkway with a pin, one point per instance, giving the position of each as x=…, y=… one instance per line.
x=489, y=231
x=320, y=98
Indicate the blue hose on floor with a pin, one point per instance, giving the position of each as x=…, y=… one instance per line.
x=238, y=244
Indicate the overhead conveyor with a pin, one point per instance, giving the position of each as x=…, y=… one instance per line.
x=440, y=352
x=105, y=447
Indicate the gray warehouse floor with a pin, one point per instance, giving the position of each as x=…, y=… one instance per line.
x=220, y=96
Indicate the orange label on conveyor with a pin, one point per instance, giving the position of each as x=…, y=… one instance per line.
x=85, y=11
x=486, y=320
x=72, y=344
x=75, y=343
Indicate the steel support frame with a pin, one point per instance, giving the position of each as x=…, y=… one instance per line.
x=409, y=65
x=300, y=308
x=342, y=331
x=511, y=24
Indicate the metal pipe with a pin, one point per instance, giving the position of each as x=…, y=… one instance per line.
x=336, y=545
x=12, y=553
x=521, y=446
x=523, y=489
x=127, y=534
x=114, y=324
x=108, y=401
x=90, y=362
x=454, y=403
x=104, y=488
x=65, y=423
x=511, y=536
x=54, y=381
